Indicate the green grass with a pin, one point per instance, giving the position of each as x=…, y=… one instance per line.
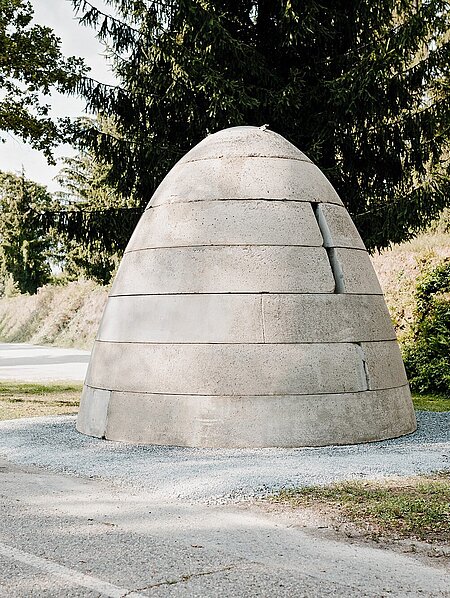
x=19, y=399
x=414, y=508
x=431, y=402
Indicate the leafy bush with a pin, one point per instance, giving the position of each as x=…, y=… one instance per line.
x=427, y=353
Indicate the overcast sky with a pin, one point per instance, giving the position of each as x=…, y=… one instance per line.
x=75, y=41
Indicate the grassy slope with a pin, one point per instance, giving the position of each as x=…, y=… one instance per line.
x=67, y=316
x=398, y=269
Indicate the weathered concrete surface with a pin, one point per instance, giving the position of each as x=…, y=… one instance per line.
x=245, y=178
x=359, y=275
x=384, y=363
x=34, y=363
x=327, y=318
x=302, y=420
x=67, y=537
x=249, y=269
x=242, y=142
x=246, y=318
x=246, y=278
x=227, y=223
x=94, y=416
x=205, y=318
x=228, y=369
x=343, y=233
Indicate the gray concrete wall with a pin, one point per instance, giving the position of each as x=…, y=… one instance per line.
x=246, y=312
x=244, y=142
x=289, y=421
x=224, y=269
x=220, y=179
x=253, y=369
x=245, y=222
x=246, y=318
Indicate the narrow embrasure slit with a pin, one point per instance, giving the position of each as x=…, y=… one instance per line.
x=336, y=269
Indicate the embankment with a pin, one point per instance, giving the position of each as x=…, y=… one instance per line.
x=67, y=316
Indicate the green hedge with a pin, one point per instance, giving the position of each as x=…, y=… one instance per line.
x=427, y=352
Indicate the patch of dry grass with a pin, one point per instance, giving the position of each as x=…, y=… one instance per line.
x=19, y=399
x=67, y=316
x=415, y=508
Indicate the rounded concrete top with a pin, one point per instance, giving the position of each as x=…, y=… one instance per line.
x=244, y=163
x=244, y=142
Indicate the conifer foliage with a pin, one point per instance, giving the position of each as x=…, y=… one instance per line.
x=26, y=247
x=361, y=87
x=91, y=207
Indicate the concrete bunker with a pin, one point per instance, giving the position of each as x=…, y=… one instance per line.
x=246, y=312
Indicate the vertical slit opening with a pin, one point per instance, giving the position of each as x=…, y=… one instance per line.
x=336, y=268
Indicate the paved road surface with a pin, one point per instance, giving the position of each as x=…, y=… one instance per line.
x=63, y=536
x=32, y=363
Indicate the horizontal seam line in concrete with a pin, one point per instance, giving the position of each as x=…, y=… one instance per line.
x=195, y=245
x=256, y=293
x=250, y=200
x=240, y=156
x=209, y=245
x=266, y=294
x=269, y=396
x=243, y=245
x=308, y=200
x=203, y=343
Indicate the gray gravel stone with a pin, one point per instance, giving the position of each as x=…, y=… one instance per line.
x=217, y=475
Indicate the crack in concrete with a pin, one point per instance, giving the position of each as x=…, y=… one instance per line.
x=182, y=579
x=364, y=364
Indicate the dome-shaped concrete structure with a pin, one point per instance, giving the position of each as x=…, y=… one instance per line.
x=246, y=312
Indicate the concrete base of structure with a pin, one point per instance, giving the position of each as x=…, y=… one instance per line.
x=247, y=421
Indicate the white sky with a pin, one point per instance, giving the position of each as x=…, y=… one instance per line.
x=75, y=41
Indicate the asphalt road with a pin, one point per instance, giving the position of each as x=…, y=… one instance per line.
x=69, y=536
x=61, y=537
x=33, y=363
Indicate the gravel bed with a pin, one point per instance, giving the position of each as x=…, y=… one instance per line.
x=220, y=475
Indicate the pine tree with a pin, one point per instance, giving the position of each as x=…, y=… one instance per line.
x=25, y=246
x=91, y=201
x=361, y=87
